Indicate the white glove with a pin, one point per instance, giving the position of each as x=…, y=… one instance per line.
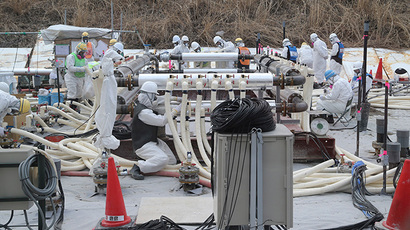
x=88, y=71
x=176, y=110
x=322, y=97
x=1, y=132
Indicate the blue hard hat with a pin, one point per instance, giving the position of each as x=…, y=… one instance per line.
x=329, y=74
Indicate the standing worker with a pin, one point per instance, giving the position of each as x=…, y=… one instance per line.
x=305, y=55
x=243, y=63
x=9, y=104
x=224, y=47
x=341, y=92
x=336, y=55
x=319, y=59
x=76, y=65
x=179, y=48
x=155, y=153
x=197, y=49
x=90, y=53
x=289, y=52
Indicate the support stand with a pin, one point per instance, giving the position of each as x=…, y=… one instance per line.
x=256, y=181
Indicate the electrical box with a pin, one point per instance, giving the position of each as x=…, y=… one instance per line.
x=232, y=175
x=12, y=196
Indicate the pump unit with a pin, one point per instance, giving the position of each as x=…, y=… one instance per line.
x=232, y=175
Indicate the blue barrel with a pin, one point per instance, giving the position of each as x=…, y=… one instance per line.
x=54, y=98
x=44, y=99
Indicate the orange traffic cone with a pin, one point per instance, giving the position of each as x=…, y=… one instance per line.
x=399, y=214
x=379, y=73
x=115, y=213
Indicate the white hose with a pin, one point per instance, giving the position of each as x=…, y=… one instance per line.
x=203, y=131
x=175, y=135
x=312, y=170
x=214, y=88
x=199, y=87
x=34, y=137
x=229, y=88
x=242, y=88
x=72, y=111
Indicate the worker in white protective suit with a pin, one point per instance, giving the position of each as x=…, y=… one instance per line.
x=9, y=104
x=224, y=47
x=357, y=74
x=335, y=101
x=106, y=113
x=77, y=67
x=320, y=55
x=155, y=153
x=336, y=55
x=305, y=55
x=289, y=52
x=197, y=49
x=179, y=48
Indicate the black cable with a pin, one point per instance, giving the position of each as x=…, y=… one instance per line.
x=240, y=115
x=317, y=141
x=397, y=174
x=8, y=222
x=59, y=221
x=87, y=119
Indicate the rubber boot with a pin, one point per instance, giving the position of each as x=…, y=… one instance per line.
x=135, y=173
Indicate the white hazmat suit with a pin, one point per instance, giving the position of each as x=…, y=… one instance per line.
x=7, y=104
x=335, y=101
x=156, y=155
x=320, y=55
x=74, y=84
x=305, y=55
x=225, y=47
x=106, y=113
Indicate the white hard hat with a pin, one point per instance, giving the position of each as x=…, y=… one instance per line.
x=313, y=37
x=4, y=87
x=118, y=47
x=195, y=45
x=286, y=42
x=357, y=65
x=175, y=38
x=149, y=87
x=333, y=37
x=217, y=39
x=185, y=38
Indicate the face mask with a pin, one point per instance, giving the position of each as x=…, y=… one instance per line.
x=85, y=40
x=80, y=55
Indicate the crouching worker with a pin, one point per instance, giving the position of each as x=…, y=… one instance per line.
x=335, y=101
x=155, y=153
x=9, y=104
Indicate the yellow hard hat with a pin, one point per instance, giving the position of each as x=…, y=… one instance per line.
x=113, y=41
x=85, y=34
x=24, y=105
x=81, y=47
x=238, y=40
x=304, y=43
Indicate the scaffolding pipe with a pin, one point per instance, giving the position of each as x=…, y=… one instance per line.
x=209, y=57
x=134, y=66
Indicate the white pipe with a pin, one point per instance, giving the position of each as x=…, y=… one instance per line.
x=199, y=86
x=28, y=71
x=209, y=57
x=62, y=146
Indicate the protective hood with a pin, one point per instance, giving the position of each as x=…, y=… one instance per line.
x=144, y=99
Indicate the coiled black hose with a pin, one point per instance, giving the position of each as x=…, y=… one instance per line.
x=241, y=115
x=34, y=193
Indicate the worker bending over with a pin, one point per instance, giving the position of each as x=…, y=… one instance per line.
x=155, y=153
x=9, y=104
